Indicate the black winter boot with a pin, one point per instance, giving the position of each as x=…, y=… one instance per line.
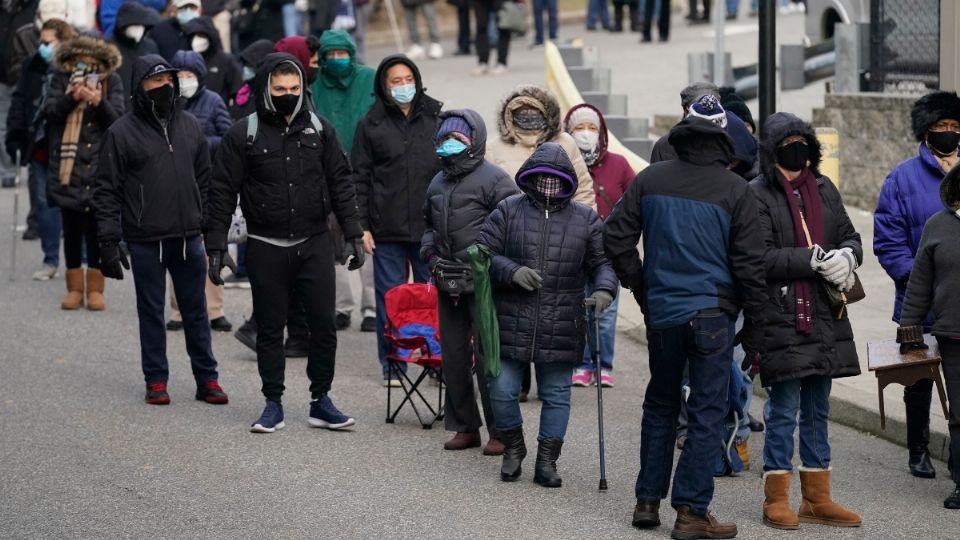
x=635, y=23
x=545, y=470
x=917, y=401
x=514, y=452
x=617, y=18
x=952, y=502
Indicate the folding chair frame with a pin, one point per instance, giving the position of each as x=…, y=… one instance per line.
x=411, y=387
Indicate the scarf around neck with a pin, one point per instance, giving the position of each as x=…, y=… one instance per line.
x=807, y=231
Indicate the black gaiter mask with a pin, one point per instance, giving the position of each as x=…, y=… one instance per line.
x=285, y=104
x=794, y=156
x=943, y=142
x=162, y=98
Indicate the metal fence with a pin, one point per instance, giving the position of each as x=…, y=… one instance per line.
x=904, y=45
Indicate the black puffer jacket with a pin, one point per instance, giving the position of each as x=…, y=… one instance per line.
x=288, y=179
x=394, y=160
x=77, y=194
x=561, y=241
x=224, y=73
x=130, y=14
x=462, y=195
x=154, y=173
x=26, y=123
x=829, y=349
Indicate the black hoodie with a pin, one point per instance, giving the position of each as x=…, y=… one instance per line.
x=131, y=14
x=462, y=195
x=289, y=178
x=224, y=73
x=154, y=172
x=394, y=160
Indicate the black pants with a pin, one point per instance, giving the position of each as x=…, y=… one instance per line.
x=80, y=227
x=482, y=10
x=307, y=269
x=297, y=329
x=460, y=344
x=950, y=362
x=663, y=21
x=463, y=25
x=916, y=399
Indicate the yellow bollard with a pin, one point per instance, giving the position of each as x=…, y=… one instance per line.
x=830, y=147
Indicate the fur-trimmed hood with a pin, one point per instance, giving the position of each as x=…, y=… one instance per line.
x=931, y=108
x=106, y=55
x=528, y=95
x=777, y=128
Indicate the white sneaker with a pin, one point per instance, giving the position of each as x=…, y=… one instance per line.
x=415, y=53
x=435, y=52
x=480, y=70
x=498, y=69
x=46, y=273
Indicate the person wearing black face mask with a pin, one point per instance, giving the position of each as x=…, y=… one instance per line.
x=810, y=245
x=286, y=194
x=909, y=197
x=151, y=193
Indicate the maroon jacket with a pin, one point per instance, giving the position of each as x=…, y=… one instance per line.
x=611, y=172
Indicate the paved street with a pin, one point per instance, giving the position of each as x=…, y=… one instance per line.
x=81, y=455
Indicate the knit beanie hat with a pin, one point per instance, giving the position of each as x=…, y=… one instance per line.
x=454, y=124
x=581, y=115
x=735, y=104
x=708, y=107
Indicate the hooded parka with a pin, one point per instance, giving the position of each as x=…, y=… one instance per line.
x=224, y=74
x=242, y=103
x=343, y=98
x=132, y=14
x=205, y=105
x=611, y=172
x=77, y=194
x=154, y=172
x=561, y=240
x=462, y=195
x=289, y=177
x=509, y=151
x=828, y=350
x=394, y=160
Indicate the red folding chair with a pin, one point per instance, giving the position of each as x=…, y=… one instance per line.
x=414, y=334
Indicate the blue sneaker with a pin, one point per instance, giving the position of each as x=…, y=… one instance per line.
x=270, y=420
x=323, y=413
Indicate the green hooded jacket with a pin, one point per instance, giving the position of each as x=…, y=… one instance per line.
x=342, y=98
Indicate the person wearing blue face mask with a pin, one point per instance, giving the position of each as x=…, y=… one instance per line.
x=343, y=94
x=452, y=226
x=394, y=158
x=169, y=33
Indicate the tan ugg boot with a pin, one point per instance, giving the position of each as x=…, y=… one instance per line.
x=95, y=285
x=776, y=505
x=74, y=297
x=817, y=506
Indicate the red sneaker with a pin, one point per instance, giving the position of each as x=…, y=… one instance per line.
x=157, y=394
x=211, y=392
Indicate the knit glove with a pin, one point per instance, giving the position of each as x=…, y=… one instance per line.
x=601, y=301
x=113, y=259
x=910, y=338
x=527, y=278
x=838, y=266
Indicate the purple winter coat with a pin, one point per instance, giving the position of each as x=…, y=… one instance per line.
x=910, y=195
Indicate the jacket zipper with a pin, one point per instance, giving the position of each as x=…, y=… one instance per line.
x=173, y=159
x=446, y=217
x=536, y=315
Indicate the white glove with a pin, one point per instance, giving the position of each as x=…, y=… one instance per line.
x=838, y=266
x=848, y=284
x=817, y=254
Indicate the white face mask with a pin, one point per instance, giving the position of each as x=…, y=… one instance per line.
x=200, y=44
x=189, y=86
x=135, y=32
x=586, y=140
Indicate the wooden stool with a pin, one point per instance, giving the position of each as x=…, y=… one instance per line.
x=885, y=360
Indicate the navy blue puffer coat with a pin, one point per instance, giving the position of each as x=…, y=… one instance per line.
x=562, y=241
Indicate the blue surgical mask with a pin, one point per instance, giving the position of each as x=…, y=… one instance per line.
x=46, y=52
x=451, y=147
x=404, y=93
x=249, y=73
x=186, y=15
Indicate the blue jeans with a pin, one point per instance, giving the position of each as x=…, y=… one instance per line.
x=553, y=389
x=608, y=334
x=392, y=263
x=48, y=217
x=539, y=6
x=292, y=21
x=150, y=265
x=810, y=397
x=706, y=344
x=598, y=10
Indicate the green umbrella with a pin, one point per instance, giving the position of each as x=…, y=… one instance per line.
x=484, y=312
